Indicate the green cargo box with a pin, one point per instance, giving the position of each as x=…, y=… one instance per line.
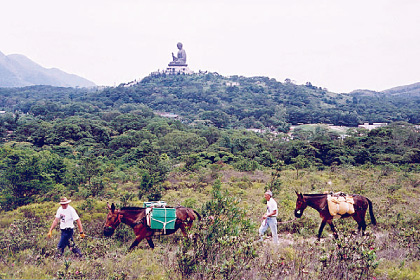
x=163, y=218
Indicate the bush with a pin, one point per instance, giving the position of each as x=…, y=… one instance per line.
x=22, y=234
x=349, y=257
x=246, y=165
x=222, y=245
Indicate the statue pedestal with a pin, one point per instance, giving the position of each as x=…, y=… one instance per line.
x=178, y=69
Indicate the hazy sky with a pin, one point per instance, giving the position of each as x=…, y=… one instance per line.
x=339, y=45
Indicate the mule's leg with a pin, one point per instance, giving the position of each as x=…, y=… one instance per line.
x=140, y=238
x=361, y=222
x=183, y=229
x=335, y=234
x=189, y=224
x=150, y=241
x=361, y=225
x=141, y=233
x=321, y=228
x=135, y=243
x=184, y=226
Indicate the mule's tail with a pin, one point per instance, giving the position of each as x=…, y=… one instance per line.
x=198, y=215
x=372, y=217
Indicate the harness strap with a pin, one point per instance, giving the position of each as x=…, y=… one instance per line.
x=141, y=221
x=119, y=217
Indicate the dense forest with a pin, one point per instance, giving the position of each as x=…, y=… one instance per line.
x=223, y=102
x=113, y=144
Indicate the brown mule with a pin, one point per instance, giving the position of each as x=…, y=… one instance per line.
x=135, y=217
x=319, y=203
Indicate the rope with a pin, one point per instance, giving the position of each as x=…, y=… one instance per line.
x=164, y=223
x=287, y=221
x=92, y=237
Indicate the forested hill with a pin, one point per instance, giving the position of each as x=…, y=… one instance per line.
x=413, y=89
x=225, y=102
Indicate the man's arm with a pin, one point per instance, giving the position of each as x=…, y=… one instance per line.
x=54, y=224
x=272, y=213
x=79, y=225
x=266, y=215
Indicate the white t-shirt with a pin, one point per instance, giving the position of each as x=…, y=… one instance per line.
x=67, y=217
x=271, y=206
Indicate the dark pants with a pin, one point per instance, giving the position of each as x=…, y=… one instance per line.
x=67, y=240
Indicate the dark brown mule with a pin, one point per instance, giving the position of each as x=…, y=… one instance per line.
x=135, y=217
x=319, y=203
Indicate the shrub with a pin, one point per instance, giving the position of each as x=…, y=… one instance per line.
x=22, y=234
x=349, y=257
x=222, y=245
x=246, y=165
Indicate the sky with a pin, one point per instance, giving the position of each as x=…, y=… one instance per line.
x=333, y=44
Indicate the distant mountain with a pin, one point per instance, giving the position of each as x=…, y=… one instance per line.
x=18, y=71
x=406, y=91
x=413, y=90
x=363, y=92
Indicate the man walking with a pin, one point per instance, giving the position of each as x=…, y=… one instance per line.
x=66, y=215
x=270, y=217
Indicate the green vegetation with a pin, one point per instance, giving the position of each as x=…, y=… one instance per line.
x=96, y=146
x=225, y=246
x=225, y=102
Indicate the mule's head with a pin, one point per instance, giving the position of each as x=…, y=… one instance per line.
x=113, y=219
x=300, y=205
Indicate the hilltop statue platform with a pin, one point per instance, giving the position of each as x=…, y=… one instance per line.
x=178, y=65
x=178, y=69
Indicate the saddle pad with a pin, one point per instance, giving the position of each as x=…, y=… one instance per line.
x=148, y=216
x=340, y=205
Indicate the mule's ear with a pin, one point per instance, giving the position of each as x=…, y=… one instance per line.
x=112, y=207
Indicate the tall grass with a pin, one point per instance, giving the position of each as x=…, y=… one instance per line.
x=225, y=246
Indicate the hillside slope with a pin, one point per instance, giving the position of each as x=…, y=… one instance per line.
x=261, y=102
x=230, y=102
x=408, y=90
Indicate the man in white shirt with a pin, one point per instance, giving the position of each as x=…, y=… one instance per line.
x=270, y=217
x=66, y=215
